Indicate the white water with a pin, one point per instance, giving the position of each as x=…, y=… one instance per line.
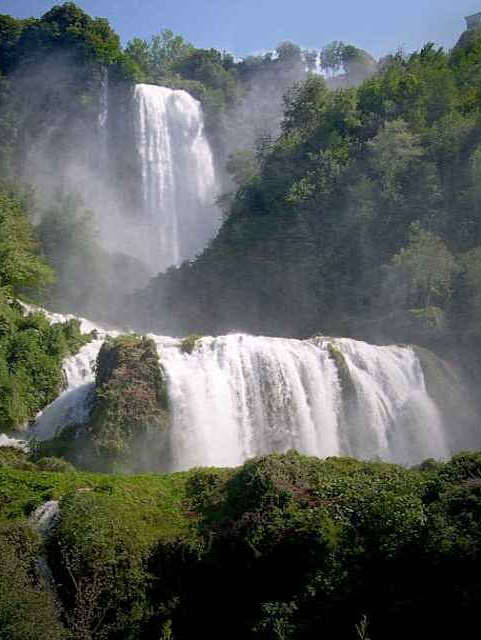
x=178, y=176
x=392, y=417
x=6, y=441
x=239, y=396
x=73, y=405
x=44, y=518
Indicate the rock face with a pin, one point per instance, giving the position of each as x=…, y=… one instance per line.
x=473, y=21
x=130, y=418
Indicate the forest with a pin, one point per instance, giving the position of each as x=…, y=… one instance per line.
x=348, y=196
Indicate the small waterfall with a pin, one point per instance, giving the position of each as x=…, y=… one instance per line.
x=178, y=176
x=103, y=101
x=6, y=441
x=391, y=417
x=44, y=518
x=73, y=405
x=102, y=124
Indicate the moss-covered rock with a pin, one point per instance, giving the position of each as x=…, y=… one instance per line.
x=188, y=344
x=130, y=418
x=54, y=464
x=15, y=458
x=347, y=385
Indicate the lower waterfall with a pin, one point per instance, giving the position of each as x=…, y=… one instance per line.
x=237, y=396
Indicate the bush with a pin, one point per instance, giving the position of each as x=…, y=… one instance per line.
x=27, y=608
x=57, y=465
x=31, y=356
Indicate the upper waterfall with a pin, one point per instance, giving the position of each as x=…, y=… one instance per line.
x=177, y=173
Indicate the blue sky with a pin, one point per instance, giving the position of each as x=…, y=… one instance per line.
x=249, y=26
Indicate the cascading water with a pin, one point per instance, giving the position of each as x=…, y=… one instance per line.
x=178, y=176
x=6, y=441
x=389, y=415
x=238, y=396
x=73, y=405
x=44, y=518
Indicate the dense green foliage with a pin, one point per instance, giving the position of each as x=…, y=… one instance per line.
x=27, y=608
x=31, y=355
x=20, y=266
x=284, y=547
x=31, y=349
x=50, y=68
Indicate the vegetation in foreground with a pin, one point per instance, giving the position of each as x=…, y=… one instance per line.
x=285, y=546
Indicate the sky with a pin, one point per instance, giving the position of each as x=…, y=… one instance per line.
x=243, y=27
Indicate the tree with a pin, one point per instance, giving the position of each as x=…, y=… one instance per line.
x=430, y=266
x=242, y=166
x=331, y=57
x=20, y=265
x=156, y=59
x=391, y=152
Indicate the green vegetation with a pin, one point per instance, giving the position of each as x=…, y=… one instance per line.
x=130, y=418
x=31, y=349
x=31, y=355
x=27, y=608
x=286, y=546
x=20, y=267
x=345, y=379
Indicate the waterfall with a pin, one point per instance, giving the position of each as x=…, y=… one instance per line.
x=239, y=396
x=44, y=520
x=390, y=415
x=177, y=174
x=6, y=441
x=103, y=101
x=45, y=517
x=73, y=405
